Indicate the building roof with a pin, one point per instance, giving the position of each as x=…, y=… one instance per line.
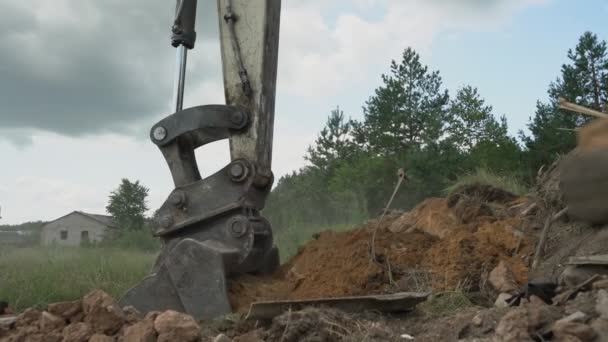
x=103, y=219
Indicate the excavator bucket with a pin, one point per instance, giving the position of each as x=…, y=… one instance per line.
x=212, y=227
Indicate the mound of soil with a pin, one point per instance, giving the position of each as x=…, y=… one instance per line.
x=429, y=248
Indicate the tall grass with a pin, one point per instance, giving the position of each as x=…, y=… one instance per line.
x=291, y=238
x=38, y=276
x=137, y=240
x=34, y=277
x=486, y=177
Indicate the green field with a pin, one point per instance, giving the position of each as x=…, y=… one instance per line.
x=38, y=276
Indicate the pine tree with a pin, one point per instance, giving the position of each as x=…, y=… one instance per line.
x=407, y=111
x=333, y=143
x=583, y=81
x=471, y=121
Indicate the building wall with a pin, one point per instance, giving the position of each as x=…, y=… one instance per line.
x=68, y=230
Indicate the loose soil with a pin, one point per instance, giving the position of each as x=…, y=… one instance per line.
x=433, y=247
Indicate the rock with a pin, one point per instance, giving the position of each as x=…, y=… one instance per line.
x=600, y=326
x=77, y=318
x=502, y=278
x=77, y=332
x=132, y=315
x=252, y=336
x=174, y=326
x=584, y=301
x=102, y=313
x=101, y=338
x=501, y=301
x=96, y=299
x=222, y=338
x=67, y=310
x=50, y=322
x=567, y=338
x=541, y=315
x=44, y=337
x=140, y=332
x=151, y=316
x=477, y=320
x=28, y=317
x=601, y=305
x=579, y=330
x=513, y=327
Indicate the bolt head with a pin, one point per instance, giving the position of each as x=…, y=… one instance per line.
x=238, y=227
x=237, y=118
x=166, y=221
x=178, y=198
x=237, y=170
x=159, y=133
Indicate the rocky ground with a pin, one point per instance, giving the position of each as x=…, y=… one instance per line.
x=474, y=250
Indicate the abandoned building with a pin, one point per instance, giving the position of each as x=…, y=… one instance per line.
x=76, y=228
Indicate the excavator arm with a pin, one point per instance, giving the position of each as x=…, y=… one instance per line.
x=212, y=227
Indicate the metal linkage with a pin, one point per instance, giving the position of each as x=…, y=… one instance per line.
x=212, y=227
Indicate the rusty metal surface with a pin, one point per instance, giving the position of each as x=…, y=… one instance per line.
x=397, y=302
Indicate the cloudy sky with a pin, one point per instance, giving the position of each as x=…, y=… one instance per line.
x=82, y=81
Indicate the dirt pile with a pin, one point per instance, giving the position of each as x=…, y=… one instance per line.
x=441, y=244
x=97, y=318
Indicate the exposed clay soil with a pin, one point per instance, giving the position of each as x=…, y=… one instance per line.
x=455, y=250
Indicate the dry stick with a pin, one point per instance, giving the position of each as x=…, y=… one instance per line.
x=563, y=104
x=402, y=177
x=543, y=236
x=284, y=335
x=528, y=209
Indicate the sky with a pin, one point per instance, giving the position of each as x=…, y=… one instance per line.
x=82, y=81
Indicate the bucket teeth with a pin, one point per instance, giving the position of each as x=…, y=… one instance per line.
x=192, y=279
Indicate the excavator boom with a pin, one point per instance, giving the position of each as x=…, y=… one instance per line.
x=212, y=227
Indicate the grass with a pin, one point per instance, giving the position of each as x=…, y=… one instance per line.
x=444, y=303
x=291, y=238
x=38, y=276
x=486, y=177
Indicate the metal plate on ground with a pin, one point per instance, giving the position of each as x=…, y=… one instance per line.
x=589, y=260
x=397, y=302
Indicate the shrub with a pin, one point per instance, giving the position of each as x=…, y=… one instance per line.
x=482, y=176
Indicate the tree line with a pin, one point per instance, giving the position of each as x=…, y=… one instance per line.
x=412, y=122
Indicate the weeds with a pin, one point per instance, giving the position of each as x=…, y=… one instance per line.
x=289, y=239
x=444, y=303
x=38, y=276
x=139, y=240
x=486, y=177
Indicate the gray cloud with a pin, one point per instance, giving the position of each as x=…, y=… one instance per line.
x=78, y=67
